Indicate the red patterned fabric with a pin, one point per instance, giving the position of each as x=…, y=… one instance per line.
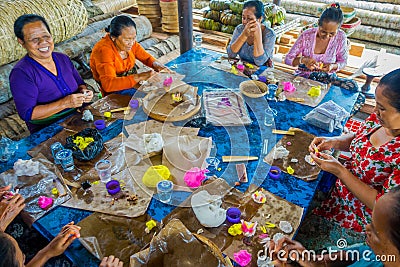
x=378, y=167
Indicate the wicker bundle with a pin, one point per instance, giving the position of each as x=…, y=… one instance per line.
x=364, y=5
x=108, y=6
x=150, y=9
x=169, y=12
x=66, y=18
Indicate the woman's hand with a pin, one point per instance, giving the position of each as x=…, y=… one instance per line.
x=250, y=28
x=74, y=100
x=328, y=67
x=322, y=143
x=10, y=207
x=157, y=66
x=144, y=75
x=328, y=163
x=288, y=249
x=88, y=95
x=61, y=242
x=310, y=63
x=111, y=261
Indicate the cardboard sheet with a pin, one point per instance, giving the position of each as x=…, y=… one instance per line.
x=176, y=246
x=105, y=235
x=297, y=150
x=98, y=199
x=279, y=209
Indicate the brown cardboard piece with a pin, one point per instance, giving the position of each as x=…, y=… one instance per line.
x=298, y=150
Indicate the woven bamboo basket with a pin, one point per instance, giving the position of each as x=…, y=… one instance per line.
x=65, y=19
x=169, y=12
x=147, y=2
x=150, y=9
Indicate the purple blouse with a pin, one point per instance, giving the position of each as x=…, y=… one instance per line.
x=336, y=52
x=32, y=84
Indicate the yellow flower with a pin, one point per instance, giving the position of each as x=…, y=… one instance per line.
x=235, y=229
x=290, y=170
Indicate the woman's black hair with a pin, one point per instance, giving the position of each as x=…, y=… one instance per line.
x=8, y=252
x=394, y=219
x=25, y=19
x=118, y=24
x=258, y=5
x=391, y=84
x=332, y=13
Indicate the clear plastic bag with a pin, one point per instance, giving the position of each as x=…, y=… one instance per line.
x=327, y=116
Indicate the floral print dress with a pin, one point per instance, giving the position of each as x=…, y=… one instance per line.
x=378, y=167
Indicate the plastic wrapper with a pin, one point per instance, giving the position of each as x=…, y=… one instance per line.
x=104, y=235
x=302, y=85
x=82, y=168
x=176, y=246
x=32, y=187
x=328, y=116
x=278, y=208
x=7, y=149
x=181, y=153
x=157, y=81
x=91, y=151
x=225, y=108
x=298, y=149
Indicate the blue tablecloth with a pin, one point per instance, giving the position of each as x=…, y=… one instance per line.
x=229, y=141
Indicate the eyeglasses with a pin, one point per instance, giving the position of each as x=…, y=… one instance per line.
x=37, y=40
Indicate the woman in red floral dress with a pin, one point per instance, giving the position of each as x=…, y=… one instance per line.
x=374, y=167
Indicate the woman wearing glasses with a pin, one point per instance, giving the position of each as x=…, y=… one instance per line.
x=320, y=52
x=45, y=84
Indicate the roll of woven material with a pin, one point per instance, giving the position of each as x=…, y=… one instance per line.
x=65, y=19
x=365, y=5
x=108, y=6
x=368, y=17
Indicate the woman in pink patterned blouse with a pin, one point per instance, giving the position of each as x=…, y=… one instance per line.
x=320, y=52
x=374, y=166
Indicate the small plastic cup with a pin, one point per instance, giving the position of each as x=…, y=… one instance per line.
x=113, y=187
x=55, y=147
x=198, y=39
x=100, y=124
x=274, y=172
x=103, y=168
x=272, y=91
x=233, y=215
x=164, y=190
x=66, y=159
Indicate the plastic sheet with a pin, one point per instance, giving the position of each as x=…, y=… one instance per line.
x=328, y=116
x=91, y=150
x=225, y=108
x=157, y=81
x=32, y=187
x=298, y=149
x=176, y=246
x=104, y=235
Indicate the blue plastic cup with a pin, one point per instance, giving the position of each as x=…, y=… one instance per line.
x=164, y=190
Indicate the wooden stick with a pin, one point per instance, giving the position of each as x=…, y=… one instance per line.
x=119, y=109
x=238, y=158
x=275, y=131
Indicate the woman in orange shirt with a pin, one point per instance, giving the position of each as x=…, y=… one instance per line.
x=113, y=58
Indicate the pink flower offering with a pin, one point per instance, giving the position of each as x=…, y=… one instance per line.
x=242, y=257
x=194, y=177
x=240, y=67
x=288, y=87
x=167, y=82
x=45, y=202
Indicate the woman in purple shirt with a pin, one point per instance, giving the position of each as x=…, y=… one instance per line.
x=45, y=84
x=320, y=52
